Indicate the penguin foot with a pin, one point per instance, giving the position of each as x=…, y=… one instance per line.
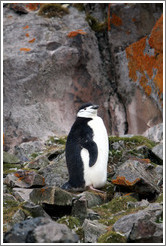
x=96, y=190
x=67, y=186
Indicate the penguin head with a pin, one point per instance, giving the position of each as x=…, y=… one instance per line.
x=87, y=110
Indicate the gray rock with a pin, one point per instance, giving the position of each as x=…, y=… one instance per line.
x=10, y=158
x=92, y=230
x=79, y=208
x=155, y=133
x=93, y=198
x=142, y=203
x=8, y=197
x=137, y=176
x=55, y=174
x=40, y=230
x=25, y=150
x=158, y=151
x=18, y=216
x=126, y=223
x=35, y=210
x=51, y=195
x=38, y=163
x=24, y=179
x=22, y=194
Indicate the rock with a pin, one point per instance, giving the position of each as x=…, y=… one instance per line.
x=126, y=223
x=35, y=210
x=155, y=133
x=137, y=176
x=38, y=163
x=55, y=174
x=24, y=179
x=157, y=153
x=19, y=216
x=8, y=197
x=79, y=208
x=51, y=195
x=92, y=215
x=79, y=62
x=146, y=231
x=40, y=230
x=22, y=194
x=142, y=203
x=10, y=158
x=92, y=230
x=25, y=150
x=93, y=198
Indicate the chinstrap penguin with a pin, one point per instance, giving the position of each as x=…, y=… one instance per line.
x=87, y=150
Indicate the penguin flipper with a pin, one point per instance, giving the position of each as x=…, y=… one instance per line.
x=91, y=146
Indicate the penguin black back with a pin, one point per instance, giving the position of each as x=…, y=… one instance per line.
x=80, y=136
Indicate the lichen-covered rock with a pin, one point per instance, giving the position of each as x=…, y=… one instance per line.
x=137, y=176
x=40, y=230
x=51, y=195
x=92, y=230
x=34, y=210
x=24, y=179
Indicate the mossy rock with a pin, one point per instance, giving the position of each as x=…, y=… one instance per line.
x=95, y=24
x=132, y=142
x=114, y=206
x=112, y=237
x=50, y=10
x=70, y=221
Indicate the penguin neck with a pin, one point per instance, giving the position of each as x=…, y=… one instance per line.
x=89, y=116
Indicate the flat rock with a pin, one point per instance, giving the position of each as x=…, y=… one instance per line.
x=92, y=230
x=40, y=230
x=24, y=179
x=22, y=194
x=137, y=176
x=51, y=195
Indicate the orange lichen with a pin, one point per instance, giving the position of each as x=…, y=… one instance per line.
x=134, y=19
x=116, y=20
x=75, y=33
x=146, y=64
x=109, y=19
x=121, y=180
x=32, y=40
x=33, y=6
x=25, y=49
x=26, y=27
x=10, y=16
x=27, y=35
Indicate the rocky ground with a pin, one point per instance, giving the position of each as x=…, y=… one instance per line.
x=130, y=208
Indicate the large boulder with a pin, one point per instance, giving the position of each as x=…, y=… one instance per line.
x=60, y=62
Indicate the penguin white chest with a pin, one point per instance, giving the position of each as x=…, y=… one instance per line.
x=97, y=174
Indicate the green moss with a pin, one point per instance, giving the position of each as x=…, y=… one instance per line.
x=80, y=232
x=9, y=209
x=61, y=140
x=95, y=24
x=50, y=10
x=70, y=221
x=79, y=6
x=134, y=141
x=112, y=237
x=10, y=168
x=160, y=198
x=115, y=205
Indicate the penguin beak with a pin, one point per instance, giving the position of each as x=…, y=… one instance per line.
x=95, y=106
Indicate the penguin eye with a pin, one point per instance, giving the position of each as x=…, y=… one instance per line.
x=84, y=108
